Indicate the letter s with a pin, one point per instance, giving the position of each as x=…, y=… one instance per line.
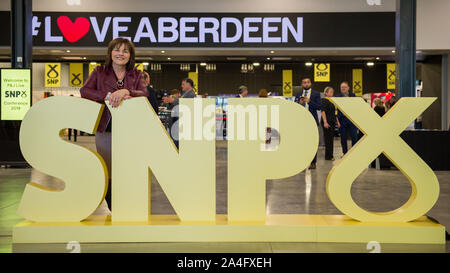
x=83, y=171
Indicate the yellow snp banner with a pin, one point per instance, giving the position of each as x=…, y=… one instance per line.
x=92, y=66
x=390, y=76
x=322, y=72
x=139, y=66
x=357, y=84
x=76, y=74
x=52, y=74
x=287, y=83
x=194, y=77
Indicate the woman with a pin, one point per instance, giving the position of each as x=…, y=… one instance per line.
x=115, y=81
x=379, y=107
x=329, y=122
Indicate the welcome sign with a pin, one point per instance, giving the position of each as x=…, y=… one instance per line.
x=213, y=29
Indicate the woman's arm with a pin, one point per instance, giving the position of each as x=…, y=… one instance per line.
x=324, y=117
x=141, y=88
x=89, y=89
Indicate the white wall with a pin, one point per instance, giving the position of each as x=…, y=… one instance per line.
x=213, y=5
x=433, y=24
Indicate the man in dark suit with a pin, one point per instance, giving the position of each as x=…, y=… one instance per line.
x=242, y=92
x=347, y=127
x=310, y=99
x=151, y=93
x=187, y=87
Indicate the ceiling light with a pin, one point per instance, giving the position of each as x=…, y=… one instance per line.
x=268, y=58
x=84, y=58
x=393, y=51
x=236, y=58
x=93, y=63
x=271, y=52
x=202, y=64
x=256, y=64
x=169, y=58
x=309, y=64
x=370, y=63
x=378, y=58
x=162, y=51
x=145, y=64
x=68, y=51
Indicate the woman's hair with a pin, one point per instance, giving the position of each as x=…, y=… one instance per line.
x=263, y=93
x=118, y=42
x=378, y=102
x=326, y=89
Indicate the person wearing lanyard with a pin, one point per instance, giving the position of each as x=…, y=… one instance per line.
x=115, y=81
x=347, y=127
x=187, y=87
x=329, y=121
x=310, y=99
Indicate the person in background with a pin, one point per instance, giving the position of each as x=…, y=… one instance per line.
x=75, y=131
x=264, y=94
x=115, y=81
x=310, y=99
x=347, y=127
x=379, y=107
x=243, y=92
x=151, y=92
x=187, y=87
x=329, y=122
x=390, y=103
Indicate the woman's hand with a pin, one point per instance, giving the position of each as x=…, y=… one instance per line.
x=117, y=97
x=338, y=125
x=326, y=125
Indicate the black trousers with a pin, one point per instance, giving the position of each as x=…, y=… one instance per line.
x=328, y=135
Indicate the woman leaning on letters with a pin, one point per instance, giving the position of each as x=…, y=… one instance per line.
x=115, y=81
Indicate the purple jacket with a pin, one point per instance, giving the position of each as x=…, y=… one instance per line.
x=102, y=80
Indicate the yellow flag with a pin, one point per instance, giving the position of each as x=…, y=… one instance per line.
x=92, y=66
x=287, y=83
x=52, y=74
x=391, y=75
x=76, y=74
x=139, y=66
x=357, y=85
x=194, y=77
x=322, y=72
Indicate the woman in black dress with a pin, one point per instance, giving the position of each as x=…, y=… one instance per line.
x=329, y=122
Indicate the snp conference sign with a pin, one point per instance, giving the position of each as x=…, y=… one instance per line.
x=15, y=93
x=215, y=29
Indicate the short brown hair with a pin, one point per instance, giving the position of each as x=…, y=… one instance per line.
x=263, y=93
x=174, y=91
x=118, y=42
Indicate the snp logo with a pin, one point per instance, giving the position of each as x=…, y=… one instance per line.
x=15, y=94
x=374, y=2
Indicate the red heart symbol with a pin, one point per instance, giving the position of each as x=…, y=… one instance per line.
x=73, y=31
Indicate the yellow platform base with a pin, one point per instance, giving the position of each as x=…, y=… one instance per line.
x=278, y=228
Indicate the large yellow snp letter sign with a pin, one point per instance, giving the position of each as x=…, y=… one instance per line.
x=383, y=135
x=143, y=145
x=83, y=171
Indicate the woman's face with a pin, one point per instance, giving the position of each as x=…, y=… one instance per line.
x=120, y=55
x=330, y=92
